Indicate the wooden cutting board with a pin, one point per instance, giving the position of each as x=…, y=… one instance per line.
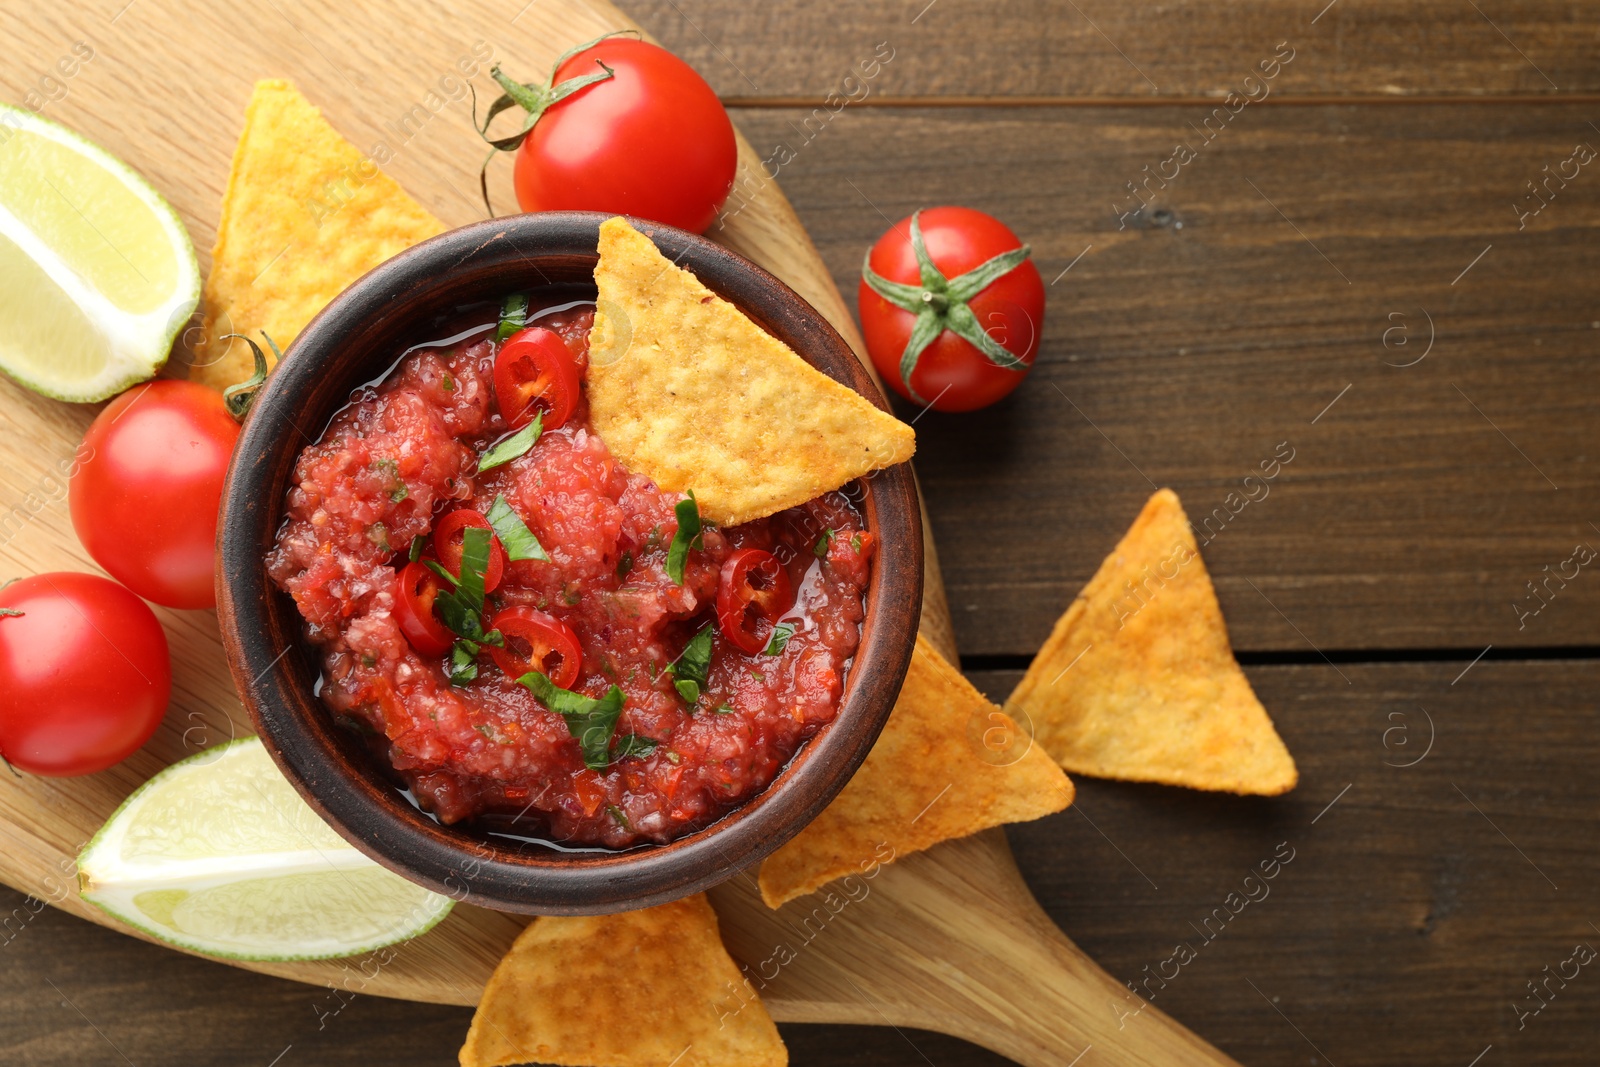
x=947, y=940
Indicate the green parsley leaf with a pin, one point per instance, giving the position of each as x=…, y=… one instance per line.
x=687, y=537
x=780, y=638
x=509, y=448
x=11, y=613
x=855, y=543
x=690, y=668
x=632, y=745
x=448, y=384
x=823, y=543
x=461, y=608
x=463, y=662
x=513, y=316
x=396, y=490
x=618, y=814
x=438, y=568
x=591, y=721
x=515, y=536
x=724, y=708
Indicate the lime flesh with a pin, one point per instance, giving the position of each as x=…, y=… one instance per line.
x=97, y=275
x=219, y=855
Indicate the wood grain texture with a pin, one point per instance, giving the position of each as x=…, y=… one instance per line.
x=1099, y=49
x=1401, y=932
x=1184, y=348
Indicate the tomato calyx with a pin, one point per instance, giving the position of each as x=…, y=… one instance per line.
x=940, y=304
x=535, y=98
x=239, y=397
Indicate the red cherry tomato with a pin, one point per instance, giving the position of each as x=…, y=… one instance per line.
x=448, y=533
x=413, y=609
x=652, y=141
x=552, y=647
x=84, y=674
x=534, y=371
x=144, y=498
x=753, y=592
x=951, y=373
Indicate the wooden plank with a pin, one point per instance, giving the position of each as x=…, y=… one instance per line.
x=1402, y=930
x=1186, y=347
x=1103, y=49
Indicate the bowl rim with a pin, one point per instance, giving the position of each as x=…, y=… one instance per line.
x=312, y=751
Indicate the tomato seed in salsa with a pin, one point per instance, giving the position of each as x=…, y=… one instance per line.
x=778, y=602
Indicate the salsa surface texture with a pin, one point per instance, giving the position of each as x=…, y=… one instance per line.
x=403, y=454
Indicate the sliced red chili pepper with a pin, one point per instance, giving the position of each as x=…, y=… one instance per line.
x=753, y=592
x=447, y=535
x=552, y=647
x=534, y=371
x=413, y=608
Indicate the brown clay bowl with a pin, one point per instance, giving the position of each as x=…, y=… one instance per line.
x=353, y=341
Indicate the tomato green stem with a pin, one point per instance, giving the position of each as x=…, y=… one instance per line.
x=940, y=304
x=534, y=98
x=238, y=398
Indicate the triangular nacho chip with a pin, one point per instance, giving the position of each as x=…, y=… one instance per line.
x=1138, y=680
x=305, y=215
x=686, y=390
x=947, y=764
x=638, y=989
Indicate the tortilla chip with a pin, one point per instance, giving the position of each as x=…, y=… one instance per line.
x=305, y=215
x=686, y=390
x=640, y=989
x=1138, y=680
x=947, y=764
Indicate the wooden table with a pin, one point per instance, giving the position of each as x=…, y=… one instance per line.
x=1343, y=266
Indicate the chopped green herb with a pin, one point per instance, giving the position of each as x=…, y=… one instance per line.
x=368, y=660
x=591, y=721
x=687, y=537
x=673, y=757
x=509, y=448
x=625, y=565
x=724, y=708
x=690, y=668
x=397, y=487
x=758, y=676
x=485, y=729
x=11, y=613
x=780, y=638
x=448, y=384
x=461, y=608
x=378, y=534
x=417, y=545
x=617, y=814
x=513, y=316
x=570, y=596
x=653, y=539
x=515, y=537
x=823, y=543
x=463, y=661
x=632, y=745
x=855, y=543
x=438, y=568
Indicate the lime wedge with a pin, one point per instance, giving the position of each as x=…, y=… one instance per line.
x=218, y=854
x=97, y=275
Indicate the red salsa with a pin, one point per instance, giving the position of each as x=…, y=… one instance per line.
x=727, y=650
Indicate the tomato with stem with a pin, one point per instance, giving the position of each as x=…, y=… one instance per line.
x=951, y=308
x=620, y=126
x=753, y=592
